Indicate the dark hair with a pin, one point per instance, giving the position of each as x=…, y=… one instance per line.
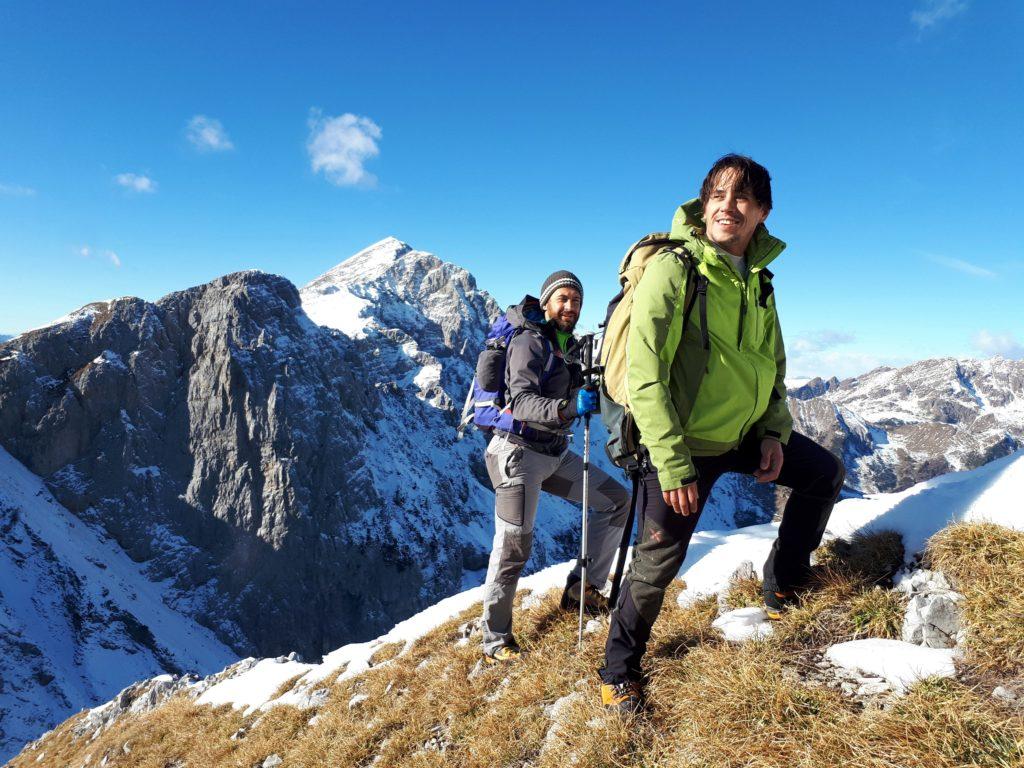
x=752, y=177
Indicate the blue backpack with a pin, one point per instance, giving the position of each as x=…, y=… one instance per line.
x=486, y=405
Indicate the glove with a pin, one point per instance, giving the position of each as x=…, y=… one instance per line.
x=586, y=401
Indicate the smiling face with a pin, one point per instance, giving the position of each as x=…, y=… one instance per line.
x=563, y=308
x=731, y=214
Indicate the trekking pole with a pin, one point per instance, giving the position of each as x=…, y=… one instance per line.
x=588, y=372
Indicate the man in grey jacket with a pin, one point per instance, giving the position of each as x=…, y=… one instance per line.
x=545, y=394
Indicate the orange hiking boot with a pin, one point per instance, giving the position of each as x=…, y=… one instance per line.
x=504, y=654
x=626, y=698
x=777, y=603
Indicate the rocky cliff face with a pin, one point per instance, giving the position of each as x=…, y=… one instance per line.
x=216, y=435
x=897, y=426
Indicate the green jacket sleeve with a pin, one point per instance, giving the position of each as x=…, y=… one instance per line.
x=655, y=330
x=777, y=421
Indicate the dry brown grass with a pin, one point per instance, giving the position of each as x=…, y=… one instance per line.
x=286, y=686
x=711, y=703
x=986, y=563
x=872, y=557
x=386, y=652
x=744, y=593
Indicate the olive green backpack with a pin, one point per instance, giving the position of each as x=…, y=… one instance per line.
x=623, y=445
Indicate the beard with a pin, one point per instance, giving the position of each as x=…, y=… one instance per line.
x=565, y=326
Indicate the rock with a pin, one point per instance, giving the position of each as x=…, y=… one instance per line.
x=932, y=618
x=135, y=699
x=873, y=689
x=272, y=761
x=1004, y=694
x=357, y=700
x=556, y=713
x=744, y=571
x=478, y=669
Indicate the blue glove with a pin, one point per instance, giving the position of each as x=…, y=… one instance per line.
x=586, y=401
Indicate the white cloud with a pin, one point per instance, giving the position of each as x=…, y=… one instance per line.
x=86, y=252
x=819, y=341
x=824, y=353
x=841, y=363
x=339, y=146
x=963, y=266
x=931, y=12
x=208, y=135
x=136, y=182
x=16, y=190
x=1004, y=344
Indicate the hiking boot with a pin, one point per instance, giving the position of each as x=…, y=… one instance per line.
x=625, y=698
x=777, y=603
x=503, y=655
x=595, y=602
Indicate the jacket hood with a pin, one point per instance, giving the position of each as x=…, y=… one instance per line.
x=688, y=226
x=527, y=314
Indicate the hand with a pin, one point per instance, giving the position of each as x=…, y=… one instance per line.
x=683, y=500
x=771, y=460
x=586, y=401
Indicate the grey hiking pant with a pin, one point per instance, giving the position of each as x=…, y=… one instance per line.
x=518, y=475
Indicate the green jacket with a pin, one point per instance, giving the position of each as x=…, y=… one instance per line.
x=685, y=402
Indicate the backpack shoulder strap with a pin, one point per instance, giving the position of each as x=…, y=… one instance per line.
x=696, y=292
x=549, y=352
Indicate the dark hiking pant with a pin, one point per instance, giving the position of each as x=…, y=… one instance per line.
x=816, y=477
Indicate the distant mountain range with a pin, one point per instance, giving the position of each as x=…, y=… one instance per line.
x=897, y=426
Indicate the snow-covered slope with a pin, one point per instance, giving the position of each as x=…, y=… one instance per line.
x=79, y=619
x=897, y=426
x=991, y=493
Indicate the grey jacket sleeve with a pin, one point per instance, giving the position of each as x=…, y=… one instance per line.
x=526, y=359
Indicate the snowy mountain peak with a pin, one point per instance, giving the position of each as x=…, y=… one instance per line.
x=366, y=265
x=392, y=286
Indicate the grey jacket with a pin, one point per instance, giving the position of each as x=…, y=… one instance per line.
x=540, y=383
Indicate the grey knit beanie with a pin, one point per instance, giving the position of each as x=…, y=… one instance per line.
x=560, y=279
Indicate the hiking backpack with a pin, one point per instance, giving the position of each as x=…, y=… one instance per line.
x=486, y=405
x=623, y=447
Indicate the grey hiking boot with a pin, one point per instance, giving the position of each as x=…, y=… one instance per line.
x=595, y=604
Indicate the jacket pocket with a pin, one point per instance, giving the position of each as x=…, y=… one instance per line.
x=513, y=461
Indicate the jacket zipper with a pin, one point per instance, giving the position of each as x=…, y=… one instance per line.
x=743, y=313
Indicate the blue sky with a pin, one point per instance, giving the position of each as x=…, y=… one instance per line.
x=145, y=148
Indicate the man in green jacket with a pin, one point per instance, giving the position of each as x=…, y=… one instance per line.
x=710, y=401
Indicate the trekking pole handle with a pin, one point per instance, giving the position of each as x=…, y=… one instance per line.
x=587, y=357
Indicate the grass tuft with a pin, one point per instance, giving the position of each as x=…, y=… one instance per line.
x=872, y=557
x=985, y=562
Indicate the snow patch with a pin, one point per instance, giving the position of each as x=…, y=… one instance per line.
x=744, y=624
x=900, y=664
